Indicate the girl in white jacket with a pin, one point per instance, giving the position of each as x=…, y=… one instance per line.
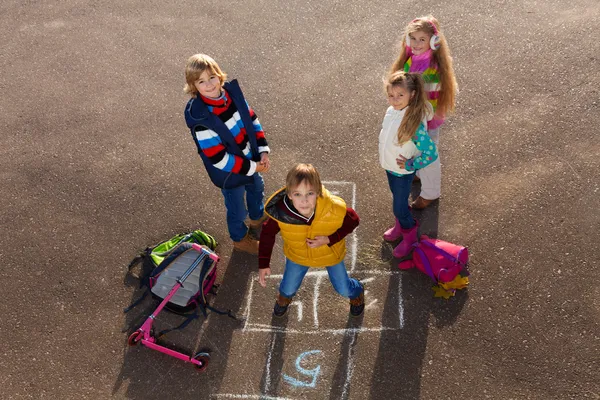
x=404, y=147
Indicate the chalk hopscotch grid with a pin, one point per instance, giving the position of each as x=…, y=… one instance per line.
x=249, y=327
x=253, y=327
x=256, y=327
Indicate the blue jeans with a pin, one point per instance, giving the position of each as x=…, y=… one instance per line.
x=400, y=187
x=236, y=208
x=342, y=283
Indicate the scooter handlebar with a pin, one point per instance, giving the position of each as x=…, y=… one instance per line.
x=210, y=253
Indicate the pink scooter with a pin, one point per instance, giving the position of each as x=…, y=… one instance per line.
x=143, y=334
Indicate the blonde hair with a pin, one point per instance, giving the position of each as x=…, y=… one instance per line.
x=417, y=105
x=195, y=66
x=441, y=57
x=300, y=173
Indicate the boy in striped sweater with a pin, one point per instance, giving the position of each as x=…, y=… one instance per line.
x=231, y=143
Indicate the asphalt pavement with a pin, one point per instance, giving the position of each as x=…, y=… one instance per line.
x=96, y=163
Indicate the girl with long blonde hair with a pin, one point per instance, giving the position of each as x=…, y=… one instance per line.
x=424, y=50
x=404, y=147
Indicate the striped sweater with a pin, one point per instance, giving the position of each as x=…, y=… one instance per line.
x=424, y=64
x=211, y=145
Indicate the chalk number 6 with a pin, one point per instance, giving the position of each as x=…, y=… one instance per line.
x=308, y=372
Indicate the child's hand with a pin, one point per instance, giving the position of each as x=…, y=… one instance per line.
x=265, y=163
x=318, y=241
x=262, y=274
x=264, y=159
x=401, y=161
x=260, y=167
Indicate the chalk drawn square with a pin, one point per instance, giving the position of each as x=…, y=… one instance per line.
x=318, y=309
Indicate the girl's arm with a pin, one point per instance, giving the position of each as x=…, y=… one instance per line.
x=266, y=243
x=351, y=221
x=428, y=150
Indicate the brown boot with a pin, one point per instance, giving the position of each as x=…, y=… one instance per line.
x=421, y=203
x=255, y=224
x=281, y=305
x=247, y=244
x=357, y=304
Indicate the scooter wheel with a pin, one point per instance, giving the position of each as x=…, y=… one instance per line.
x=134, y=338
x=203, y=358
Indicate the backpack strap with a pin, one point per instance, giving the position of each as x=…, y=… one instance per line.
x=229, y=313
x=207, y=267
x=185, y=323
x=441, y=252
x=136, y=260
x=425, y=262
x=445, y=254
x=136, y=302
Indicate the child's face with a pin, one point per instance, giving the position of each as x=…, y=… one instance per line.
x=208, y=84
x=419, y=42
x=304, y=198
x=399, y=97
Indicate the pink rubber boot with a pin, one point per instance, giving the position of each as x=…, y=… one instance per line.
x=409, y=237
x=394, y=233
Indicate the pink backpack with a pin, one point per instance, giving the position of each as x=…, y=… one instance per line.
x=444, y=262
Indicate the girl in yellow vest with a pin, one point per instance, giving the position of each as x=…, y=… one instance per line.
x=313, y=225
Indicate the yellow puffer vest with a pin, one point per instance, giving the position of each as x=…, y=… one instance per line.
x=329, y=217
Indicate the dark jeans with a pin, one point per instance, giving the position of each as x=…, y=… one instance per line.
x=236, y=207
x=400, y=187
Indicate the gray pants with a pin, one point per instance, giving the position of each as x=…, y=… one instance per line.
x=431, y=175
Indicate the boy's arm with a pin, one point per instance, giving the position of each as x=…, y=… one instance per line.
x=351, y=221
x=263, y=146
x=266, y=243
x=427, y=148
x=211, y=145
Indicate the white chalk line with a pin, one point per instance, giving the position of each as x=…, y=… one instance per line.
x=253, y=327
x=268, y=366
x=400, y=304
x=371, y=304
x=342, y=331
x=247, y=310
x=324, y=273
x=316, y=297
x=299, y=305
x=353, y=236
x=338, y=183
x=350, y=366
x=248, y=396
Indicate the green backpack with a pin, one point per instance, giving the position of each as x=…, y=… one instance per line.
x=152, y=256
x=169, y=251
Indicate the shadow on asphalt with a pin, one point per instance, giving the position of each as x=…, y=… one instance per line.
x=429, y=217
x=340, y=385
x=153, y=375
x=270, y=382
x=399, y=362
